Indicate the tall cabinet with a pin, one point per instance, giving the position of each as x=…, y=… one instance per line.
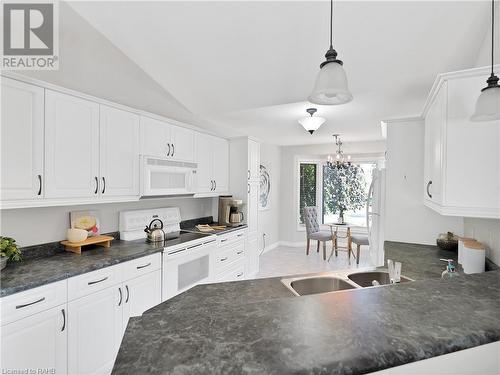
x=244, y=167
x=462, y=158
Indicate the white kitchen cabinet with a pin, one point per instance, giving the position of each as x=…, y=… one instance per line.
x=212, y=157
x=141, y=294
x=36, y=342
x=253, y=160
x=119, y=152
x=462, y=158
x=95, y=328
x=161, y=139
x=71, y=146
x=21, y=141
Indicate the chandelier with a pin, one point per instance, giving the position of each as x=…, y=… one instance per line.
x=340, y=160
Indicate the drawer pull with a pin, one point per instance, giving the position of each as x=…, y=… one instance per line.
x=31, y=303
x=128, y=294
x=240, y=235
x=97, y=281
x=223, y=240
x=121, y=296
x=240, y=274
x=239, y=252
x=223, y=259
x=192, y=247
x=144, y=266
x=64, y=320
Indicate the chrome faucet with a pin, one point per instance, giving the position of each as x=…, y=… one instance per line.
x=394, y=269
x=450, y=270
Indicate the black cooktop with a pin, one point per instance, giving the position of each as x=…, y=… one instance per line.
x=182, y=237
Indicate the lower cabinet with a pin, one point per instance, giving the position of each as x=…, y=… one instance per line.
x=95, y=331
x=37, y=342
x=141, y=294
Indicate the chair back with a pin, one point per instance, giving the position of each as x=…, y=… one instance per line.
x=311, y=220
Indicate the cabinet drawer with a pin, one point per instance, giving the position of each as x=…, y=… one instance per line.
x=141, y=266
x=92, y=282
x=226, y=239
x=233, y=273
x=228, y=254
x=23, y=304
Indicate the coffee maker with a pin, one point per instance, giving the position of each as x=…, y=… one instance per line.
x=230, y=211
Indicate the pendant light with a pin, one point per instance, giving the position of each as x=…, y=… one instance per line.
x=488, y=103
x=340, y=160
x=311, y=124
x=331, y=83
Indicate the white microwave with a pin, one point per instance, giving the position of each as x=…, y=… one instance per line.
x=161, y=177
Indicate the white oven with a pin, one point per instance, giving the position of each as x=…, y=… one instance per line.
x=186, y=265
x=166, y=177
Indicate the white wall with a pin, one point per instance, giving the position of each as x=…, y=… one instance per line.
x=90, y=63
x=407, y=219
x=289, y=155
x=32, y=226
x=486, y=231
x=270, y=157
x=484, y=54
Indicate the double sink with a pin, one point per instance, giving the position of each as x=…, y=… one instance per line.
x=327, y=283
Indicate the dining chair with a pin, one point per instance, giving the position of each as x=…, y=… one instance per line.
x=313, y=231
x=358, y=240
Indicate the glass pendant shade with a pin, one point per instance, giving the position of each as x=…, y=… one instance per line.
x=311, y=124
x=487, y=105
x=331, y=86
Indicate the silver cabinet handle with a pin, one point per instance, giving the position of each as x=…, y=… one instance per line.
x=240, y=274
x=31, y=303
x=121, y=296
x=223, y=259
x=128, y=294
x=239, y=252
x=144, y=266
x=39, y=185
x=428, y=186
x=103, y=185
x=248, y=189
x=240, y=235
x=211, y=185
x=248, y=178
x=64, y=320
x=168, y=152
x=97, y=281
x=223, y=240
x=215, y=184
x=173, y=149
x=96, y=185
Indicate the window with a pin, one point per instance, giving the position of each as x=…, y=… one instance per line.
x=318, y=186
x=308, y=173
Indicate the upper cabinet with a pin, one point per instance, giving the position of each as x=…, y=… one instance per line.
x=21, y=141
x=164, y=140
x=119, y=152
x=462, y=158
x=212, y=157
x=71, y=146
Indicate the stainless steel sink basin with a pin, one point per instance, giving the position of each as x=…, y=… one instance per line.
x=366, y=279
x=315, y=285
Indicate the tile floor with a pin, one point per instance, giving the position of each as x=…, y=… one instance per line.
x=293, y=260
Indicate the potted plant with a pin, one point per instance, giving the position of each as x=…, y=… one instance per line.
x=9, y=251
x=447, y=241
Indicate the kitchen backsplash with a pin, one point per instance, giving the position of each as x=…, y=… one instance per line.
x=34, y=226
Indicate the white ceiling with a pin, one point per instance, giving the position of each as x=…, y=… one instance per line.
x=248, y=66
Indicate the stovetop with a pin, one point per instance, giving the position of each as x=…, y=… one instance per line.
x=183, y=237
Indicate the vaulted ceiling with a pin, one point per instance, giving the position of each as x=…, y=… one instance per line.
x=247, y=67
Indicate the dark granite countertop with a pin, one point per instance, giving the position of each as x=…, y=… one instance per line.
x=257, y=326
x=31, y=273
x=190, y=225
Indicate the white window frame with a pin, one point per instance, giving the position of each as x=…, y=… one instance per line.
x=320, y=162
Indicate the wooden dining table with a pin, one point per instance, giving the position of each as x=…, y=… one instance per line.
x=338, y=233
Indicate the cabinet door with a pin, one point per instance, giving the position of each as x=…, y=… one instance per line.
x=254, y=160
x=141, y=294
x=251, y=256
x=119, y=152
x=21, y=141
x=220, y=150
x=253, y=208
x=95, y=331
x=434, y=124
x=36, y=342
x=155, y=138
x=71, y=146
x=203, y=156
x=182, y=141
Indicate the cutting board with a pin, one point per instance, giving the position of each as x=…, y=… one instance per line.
x=76, y=247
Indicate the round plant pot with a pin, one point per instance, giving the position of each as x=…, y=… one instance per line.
x=3, y=262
